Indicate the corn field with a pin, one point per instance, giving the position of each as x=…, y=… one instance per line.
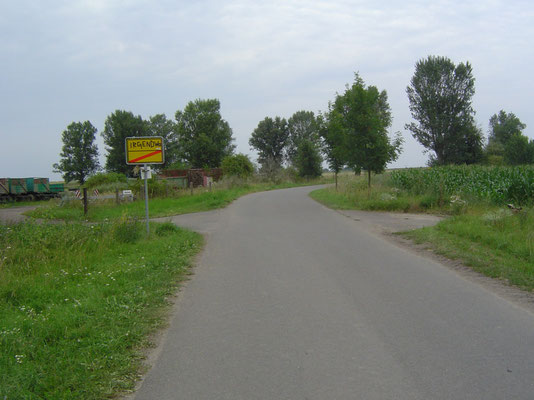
x=498, y=185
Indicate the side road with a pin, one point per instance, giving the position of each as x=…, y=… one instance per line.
x=292, y=300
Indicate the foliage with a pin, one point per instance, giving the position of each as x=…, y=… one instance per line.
x=156, y=187
x=79, y=155
x=237, y=165
x=364, y=116
x=519, y=150
x=497, y=243
x=496, y=185
x=159, y=125
x=302, y=125
x=204, y=137
x=117, y=127
x=308, y=159
x=269, y=139
x=503, y=126
x=106, y=179
x=77, y=305
x=331, y=133
x=440, y=96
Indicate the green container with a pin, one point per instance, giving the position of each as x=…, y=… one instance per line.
x=17, y=186
x=57, y=187
x=37, y=185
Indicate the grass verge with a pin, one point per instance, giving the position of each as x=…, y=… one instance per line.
x=497, y=244
x=201, y=200
x=77, y=303
x=490, y=239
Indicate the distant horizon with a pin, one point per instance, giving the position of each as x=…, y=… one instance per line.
x=78, y=61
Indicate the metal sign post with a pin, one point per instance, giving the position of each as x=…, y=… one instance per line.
x=145, y=150
x=145, y=169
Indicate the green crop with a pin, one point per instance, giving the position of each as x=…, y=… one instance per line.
x=497, y=185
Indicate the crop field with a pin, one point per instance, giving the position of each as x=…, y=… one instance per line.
x=495, y=185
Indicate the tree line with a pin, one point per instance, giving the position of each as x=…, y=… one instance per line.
x=352, y=132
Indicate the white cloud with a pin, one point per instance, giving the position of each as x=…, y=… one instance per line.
x=76, y=60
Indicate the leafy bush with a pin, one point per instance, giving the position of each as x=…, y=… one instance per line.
x=156, y=187
x=237, y=165
x=308, y=160
x=106, y=179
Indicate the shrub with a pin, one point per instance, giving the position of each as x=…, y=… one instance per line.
x=106, y=179
x=237, y=165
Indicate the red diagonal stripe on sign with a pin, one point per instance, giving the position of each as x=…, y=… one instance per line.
x=145, y=156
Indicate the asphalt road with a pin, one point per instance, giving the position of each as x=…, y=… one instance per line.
x=291, y=300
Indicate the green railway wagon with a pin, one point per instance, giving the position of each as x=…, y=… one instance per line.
x=37, y=185
x=57, y=187
x=17, y=186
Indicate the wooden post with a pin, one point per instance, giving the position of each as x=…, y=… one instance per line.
x=210, y=186
x=117, y=201
x=85, y=201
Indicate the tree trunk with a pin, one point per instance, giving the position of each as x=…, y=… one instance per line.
x=368, y=183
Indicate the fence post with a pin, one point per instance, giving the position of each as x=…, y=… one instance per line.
x=117, y=201
x=85, y=201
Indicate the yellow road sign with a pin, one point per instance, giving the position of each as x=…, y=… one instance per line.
x=144, y=150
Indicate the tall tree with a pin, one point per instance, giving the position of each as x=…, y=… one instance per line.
x=308, y=159
x=503, y=126
x=117, y=127
x=301, y=126
x=332, y=135
x=204, y=137
x=365, y=117
x=79, y=155
x=518, y=150
x=159, y=125
x=440, y=96
x=269, y=139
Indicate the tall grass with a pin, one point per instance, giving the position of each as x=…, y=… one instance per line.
x=78, y=301
x=499, y=243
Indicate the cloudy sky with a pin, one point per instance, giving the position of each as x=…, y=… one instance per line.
x=65, y=61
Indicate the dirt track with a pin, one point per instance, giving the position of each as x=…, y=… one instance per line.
x=14, y=214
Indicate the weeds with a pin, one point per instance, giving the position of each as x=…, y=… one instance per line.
x=77, y=302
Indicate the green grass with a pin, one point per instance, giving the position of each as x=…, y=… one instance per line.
x=23, y=203
x=483, y=235
x=497, y=244
x=201, y=200
x=353, y=193
x=77, y=303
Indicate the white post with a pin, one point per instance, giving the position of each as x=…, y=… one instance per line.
x=145, y=167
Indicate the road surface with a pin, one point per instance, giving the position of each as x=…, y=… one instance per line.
x=291, y=300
